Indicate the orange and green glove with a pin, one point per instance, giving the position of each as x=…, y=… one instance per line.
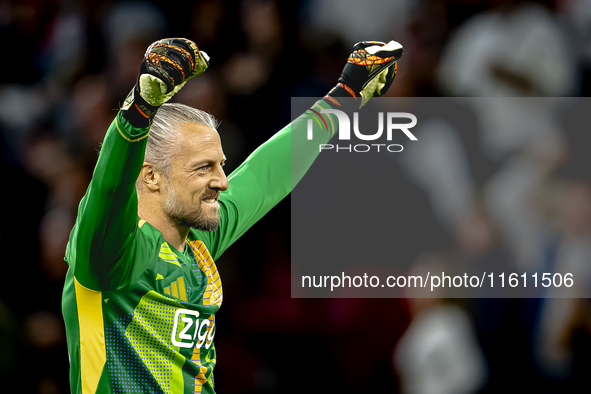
x=369, y=72
x=167, y=66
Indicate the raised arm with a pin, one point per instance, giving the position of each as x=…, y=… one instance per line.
x=271, y=171
x=105, y=237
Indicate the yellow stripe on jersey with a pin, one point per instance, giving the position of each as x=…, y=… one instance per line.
x=213, y=292
x=93, y=352
x=168, y=255
x=175, y=289
x=317, y=121
x=126, y=138
x=200, y=378
x=182, y=290
x=319, y=108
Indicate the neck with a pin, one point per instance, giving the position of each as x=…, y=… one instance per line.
x=174, y=234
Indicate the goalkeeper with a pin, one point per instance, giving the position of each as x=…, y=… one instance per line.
x=142, y=287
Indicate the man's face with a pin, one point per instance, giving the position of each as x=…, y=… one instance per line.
x=196, y=179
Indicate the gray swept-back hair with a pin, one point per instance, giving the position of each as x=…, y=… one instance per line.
x=164, y=134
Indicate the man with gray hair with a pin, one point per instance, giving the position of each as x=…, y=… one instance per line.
x=142, y=287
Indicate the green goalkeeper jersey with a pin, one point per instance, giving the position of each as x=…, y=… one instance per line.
x=139, y=314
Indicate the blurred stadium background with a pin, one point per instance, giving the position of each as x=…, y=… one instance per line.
x=525, y=197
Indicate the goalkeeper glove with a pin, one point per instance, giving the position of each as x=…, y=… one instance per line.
x=167, y=66
x=369, y=72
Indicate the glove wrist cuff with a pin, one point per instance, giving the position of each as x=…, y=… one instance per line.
x=137, y=111
x=342, y=90
x=344, y=98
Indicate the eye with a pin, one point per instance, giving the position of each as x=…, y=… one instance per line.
x=202, y=168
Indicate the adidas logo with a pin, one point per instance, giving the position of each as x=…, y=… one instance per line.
x=176, y=289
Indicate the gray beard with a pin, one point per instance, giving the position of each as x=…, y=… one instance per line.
x=197, y=220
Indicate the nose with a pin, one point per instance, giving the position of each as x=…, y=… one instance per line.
x=219, y=181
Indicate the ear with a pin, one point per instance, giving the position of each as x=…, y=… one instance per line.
x=150, y=178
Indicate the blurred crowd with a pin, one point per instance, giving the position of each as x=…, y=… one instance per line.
x=509, y=195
